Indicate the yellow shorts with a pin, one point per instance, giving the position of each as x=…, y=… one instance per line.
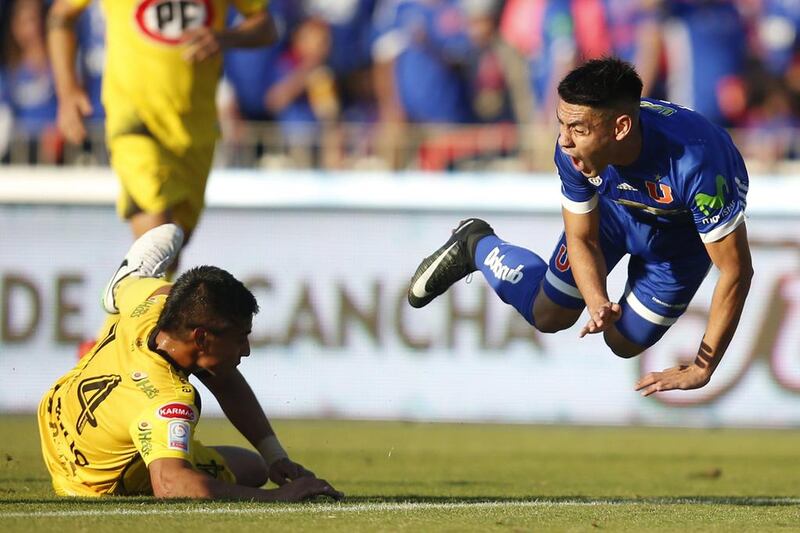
x=155, y=179
x=136, y=478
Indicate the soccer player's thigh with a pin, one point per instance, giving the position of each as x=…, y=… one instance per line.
x=156, y=181
x=559, y=302
x=231, y=464
x=656, y=295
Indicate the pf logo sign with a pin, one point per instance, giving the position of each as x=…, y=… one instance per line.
x=166, y=20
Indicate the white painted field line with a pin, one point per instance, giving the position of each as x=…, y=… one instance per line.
x=390, y=506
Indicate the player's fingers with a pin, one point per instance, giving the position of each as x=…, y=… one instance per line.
x=649, y=379
x=650, y=390
x=85, y=106
x=335, y=494
x=193, y=35
x=328, y=490
x=73, y=130
x=279, y=478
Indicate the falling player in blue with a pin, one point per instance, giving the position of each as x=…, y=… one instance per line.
x=640, y=177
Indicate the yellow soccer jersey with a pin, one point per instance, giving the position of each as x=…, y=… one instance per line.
x=147, y=82
x=122, y=401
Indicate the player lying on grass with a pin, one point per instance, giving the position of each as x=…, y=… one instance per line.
x=639, y=177
x=123, y=420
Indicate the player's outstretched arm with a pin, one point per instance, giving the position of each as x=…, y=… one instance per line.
x=241, y=406
x=731, y=255
x=73, y=103
x=175, y=478
x=589, y=268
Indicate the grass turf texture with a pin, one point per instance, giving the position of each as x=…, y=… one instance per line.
x=459, y=477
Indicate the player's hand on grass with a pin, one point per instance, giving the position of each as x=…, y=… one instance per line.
x=307, y=487
x=73, y=106
x=201, y=43
x=284, y=470
x=601, y=318
x=684, y=377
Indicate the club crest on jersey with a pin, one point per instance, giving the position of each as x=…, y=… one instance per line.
x=562, y=259
x=166, y=20
x=660, y=192
x=176, y=410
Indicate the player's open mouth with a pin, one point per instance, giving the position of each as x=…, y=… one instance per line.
x=576, y=162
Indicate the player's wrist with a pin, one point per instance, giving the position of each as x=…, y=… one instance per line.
x=271, y=450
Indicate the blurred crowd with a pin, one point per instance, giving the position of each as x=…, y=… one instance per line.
x=431, y=83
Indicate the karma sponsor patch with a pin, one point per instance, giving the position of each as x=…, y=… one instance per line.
x=177, y=410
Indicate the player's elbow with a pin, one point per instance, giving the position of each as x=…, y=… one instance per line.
x=62, y=15
x=179, y=481
x=740, y=277
x=746, y=275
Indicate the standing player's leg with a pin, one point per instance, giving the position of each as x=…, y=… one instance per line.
x=160, y=186
x=656, y=295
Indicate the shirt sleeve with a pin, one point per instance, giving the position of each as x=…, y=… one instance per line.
x=717, y=198
x=165, y=430
x=577, y=196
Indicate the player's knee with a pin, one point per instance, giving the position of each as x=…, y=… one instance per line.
x=248, y=467
x=550, y=317
x=552, y=322
x=624, y=351
x=257, y=473
x=620, y=346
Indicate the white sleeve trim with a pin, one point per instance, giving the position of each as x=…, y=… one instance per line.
x=580, y=208
x=720, y=231
x=388, y=46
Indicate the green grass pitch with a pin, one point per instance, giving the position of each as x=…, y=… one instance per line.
x=458, y=477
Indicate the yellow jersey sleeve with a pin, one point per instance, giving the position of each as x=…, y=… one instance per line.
x=165, y=430
x=80, y=3
x=133, y=295
x=249, y=7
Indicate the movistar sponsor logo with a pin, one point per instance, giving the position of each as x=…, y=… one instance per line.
x=624, y=186
x=495, y=263
x=706, y=202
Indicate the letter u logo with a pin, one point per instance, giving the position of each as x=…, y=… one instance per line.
x=562, y=260
x=659, y=192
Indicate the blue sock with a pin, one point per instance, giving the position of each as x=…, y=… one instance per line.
x=513, y=272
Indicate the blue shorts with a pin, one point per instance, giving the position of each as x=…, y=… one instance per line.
x=666, y=267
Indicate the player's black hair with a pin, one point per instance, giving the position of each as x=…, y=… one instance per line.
x=602, y=83
x=206, y=296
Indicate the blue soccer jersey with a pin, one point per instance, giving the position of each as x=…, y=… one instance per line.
x=689, y=174
x=687, y=187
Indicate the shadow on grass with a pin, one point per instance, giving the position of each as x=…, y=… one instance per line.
x=144, y=501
